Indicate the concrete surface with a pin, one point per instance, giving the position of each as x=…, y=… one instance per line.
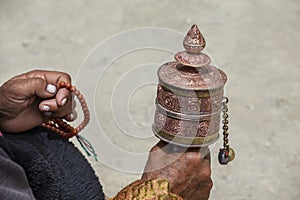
x=255, y=42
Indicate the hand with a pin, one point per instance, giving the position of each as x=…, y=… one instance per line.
x=187, y=170
x=28, y=99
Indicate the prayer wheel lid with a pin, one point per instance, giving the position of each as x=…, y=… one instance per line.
x=192, y=70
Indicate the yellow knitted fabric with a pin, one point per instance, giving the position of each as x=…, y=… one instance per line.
x=155, y=189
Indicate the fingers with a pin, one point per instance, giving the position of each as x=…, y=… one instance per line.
x=71, y=117
x=53, y=78
x=51, y=109
x=62, y=97
x=61, y=106
x=33, y=87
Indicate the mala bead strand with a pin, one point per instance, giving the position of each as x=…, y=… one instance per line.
x=59, y=126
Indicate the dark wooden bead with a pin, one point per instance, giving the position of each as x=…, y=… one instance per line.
x=62, y=84
x=68, y=86
x=80, y=97
x=74, y=131
x=72, y=89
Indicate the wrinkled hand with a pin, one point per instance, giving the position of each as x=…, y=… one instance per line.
x=187, y=170
x=28, y=99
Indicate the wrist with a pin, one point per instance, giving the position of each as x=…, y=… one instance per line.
x=4, y=113
x=2, y=107
x=6, y=104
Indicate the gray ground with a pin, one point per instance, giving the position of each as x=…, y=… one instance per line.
x=256, y=42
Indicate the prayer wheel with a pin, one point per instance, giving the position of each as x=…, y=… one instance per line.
x=189, y=96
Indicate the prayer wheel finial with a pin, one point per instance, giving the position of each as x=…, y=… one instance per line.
x=193, y=43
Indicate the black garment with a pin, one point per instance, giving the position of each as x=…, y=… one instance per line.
x=55, y=168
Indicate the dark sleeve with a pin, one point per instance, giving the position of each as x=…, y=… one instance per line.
x=13, y=181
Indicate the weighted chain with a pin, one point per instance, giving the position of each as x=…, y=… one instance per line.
x=226, y=153
x=225, y=123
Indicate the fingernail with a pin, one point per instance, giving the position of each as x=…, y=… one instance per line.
x=51, y=88
x=46, y=108
x=48, y=113
x=63, y=102
x=71, y=116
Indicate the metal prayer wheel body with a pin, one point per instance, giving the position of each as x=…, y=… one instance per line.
x=189, y=96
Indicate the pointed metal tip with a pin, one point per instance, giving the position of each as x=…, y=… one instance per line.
x=194, y=26
x=194, y=41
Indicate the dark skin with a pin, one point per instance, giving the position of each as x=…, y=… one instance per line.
x=187, y=169
x=22, y=107
x=23, y=100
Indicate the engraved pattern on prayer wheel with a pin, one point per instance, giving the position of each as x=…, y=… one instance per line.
x=189, y=96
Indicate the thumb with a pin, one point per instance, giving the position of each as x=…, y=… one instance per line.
x=38, y=87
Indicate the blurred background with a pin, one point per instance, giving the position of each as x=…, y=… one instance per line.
x=257, y=43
